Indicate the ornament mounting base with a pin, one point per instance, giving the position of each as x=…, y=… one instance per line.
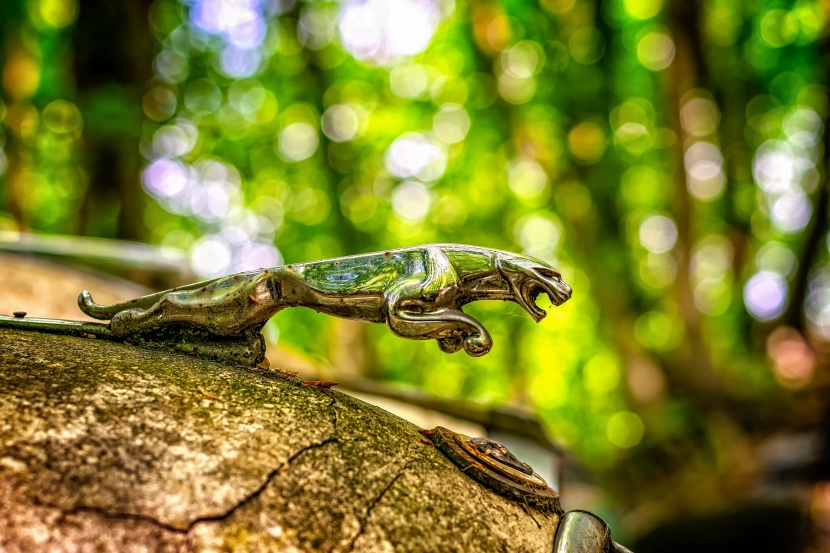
x=530, y=489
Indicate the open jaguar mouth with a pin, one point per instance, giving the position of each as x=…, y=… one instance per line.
x=528, y=295
x=527, y=281
x=556, y=290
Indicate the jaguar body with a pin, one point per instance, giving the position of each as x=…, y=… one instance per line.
x=418, y=292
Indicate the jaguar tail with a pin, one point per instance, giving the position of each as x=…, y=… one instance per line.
x=105, y=312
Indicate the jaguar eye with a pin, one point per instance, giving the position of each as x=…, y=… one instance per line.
x=548, y=273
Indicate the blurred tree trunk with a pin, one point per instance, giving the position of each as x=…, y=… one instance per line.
x=114, y=53
x=694, y=368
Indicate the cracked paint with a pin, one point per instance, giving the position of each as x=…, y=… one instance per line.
x=107, y=447
x=367, y=515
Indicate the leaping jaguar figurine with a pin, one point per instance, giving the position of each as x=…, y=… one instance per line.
x=418, y=292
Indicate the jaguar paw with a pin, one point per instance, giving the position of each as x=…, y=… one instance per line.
x=477, y=345
x=451, y=344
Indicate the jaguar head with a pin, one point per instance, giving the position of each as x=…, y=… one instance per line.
x=527, y=277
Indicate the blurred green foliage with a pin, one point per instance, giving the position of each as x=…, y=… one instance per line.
x=667, y=157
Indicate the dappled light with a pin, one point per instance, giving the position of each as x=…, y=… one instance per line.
x=669, y=158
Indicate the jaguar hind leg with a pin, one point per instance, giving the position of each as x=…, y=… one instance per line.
x=453, y=329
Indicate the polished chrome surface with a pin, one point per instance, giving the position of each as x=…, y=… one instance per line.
x=419, y=292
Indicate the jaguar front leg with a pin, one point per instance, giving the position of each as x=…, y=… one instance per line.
x=423, y=307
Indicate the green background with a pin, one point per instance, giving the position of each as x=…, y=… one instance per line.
x=668, y=158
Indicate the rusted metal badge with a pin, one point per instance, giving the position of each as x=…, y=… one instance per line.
x=493, y=465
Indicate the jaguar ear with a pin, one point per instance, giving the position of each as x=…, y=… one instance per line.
x=503, y=266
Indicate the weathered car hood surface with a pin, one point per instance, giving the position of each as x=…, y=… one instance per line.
x=116, y=448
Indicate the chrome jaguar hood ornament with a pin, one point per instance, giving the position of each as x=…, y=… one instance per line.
x=419, y=292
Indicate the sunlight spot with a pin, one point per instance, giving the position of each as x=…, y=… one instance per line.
x=659, y=331
x=601, y=374
x=311, y=206
x=791, y=212
x=359, y=205
x=175, y=139
x=803, y=127
x=56, y=13
x=537, y=233
x=297, y=141
x=526, y=178
x=210, y=257
x=778, y=27
x=411, y=200
x=451, y=123
x=415, y=155
x=625, y=429
x=408, y=80
x=704, y=171
x=62, y=117
x=658, y=270
x=257, y=255
x=699, y=116
x=712, y=258
x=171, y=66
x=317, y=26
x=777, y=257
x=523, y=60
x=817, y=303
x=765, y=295
x=776, y=167
x=246, y=98
x=586, y=45
x=384, y=30
x=340, y=122
x=642, y=9
x=586, y=141
x=634, y=137
x=655, y=51
x=160, y=103
x=239, y=22
x=214, y=202
x=239, y=62
x=793, y=360
x=165, y=177
x=658, y=234
x=203, y=96
x=516, y=90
